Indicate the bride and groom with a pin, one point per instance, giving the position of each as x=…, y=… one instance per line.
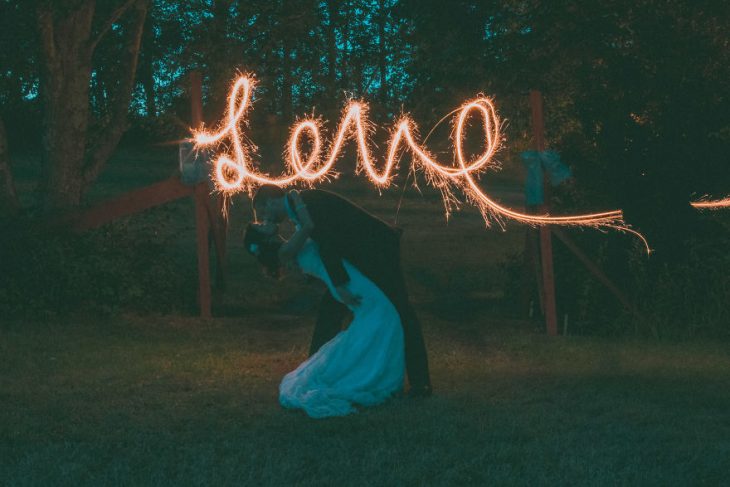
x=357, y=256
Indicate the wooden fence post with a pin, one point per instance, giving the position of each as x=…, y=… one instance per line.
x=546, y=246
x=202, y=221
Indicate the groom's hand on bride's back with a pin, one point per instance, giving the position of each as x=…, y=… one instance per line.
x=347, y=297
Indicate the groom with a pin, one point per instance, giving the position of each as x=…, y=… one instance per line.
x=343, y=230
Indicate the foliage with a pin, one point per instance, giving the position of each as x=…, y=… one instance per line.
x=690, y=297
x=636, y=100
x=684, y=297
x=19, y=84
x=165, y=129
x=47, y=273
x=678, y=291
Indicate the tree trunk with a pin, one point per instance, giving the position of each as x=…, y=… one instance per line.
x=65, y=76
x=286, y=84
x=148, y=83
x=382, y=19
x=8, y=196
x=71, y=161
x=331, y=34
x=287, y=108
x=104, y=144
x=146, y=68
x=348, y=48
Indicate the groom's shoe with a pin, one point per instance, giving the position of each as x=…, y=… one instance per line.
x=419, y=392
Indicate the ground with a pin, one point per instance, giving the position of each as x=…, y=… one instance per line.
x=169, y=398
x=174, y=400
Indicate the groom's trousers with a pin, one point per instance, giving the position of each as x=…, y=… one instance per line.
x=389, y=277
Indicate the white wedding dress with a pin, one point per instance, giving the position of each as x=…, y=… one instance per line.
x=362, y=365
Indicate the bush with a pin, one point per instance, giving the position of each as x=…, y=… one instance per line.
x=683, y=295
x=690, y=297
x=47, y=273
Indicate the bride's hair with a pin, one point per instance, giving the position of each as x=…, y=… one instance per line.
x=265, y=248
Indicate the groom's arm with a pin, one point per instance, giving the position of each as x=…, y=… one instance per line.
x=332, y=261
x=324, y=218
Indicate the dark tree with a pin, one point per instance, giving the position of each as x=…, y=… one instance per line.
x=8, y=196
x=77, y=142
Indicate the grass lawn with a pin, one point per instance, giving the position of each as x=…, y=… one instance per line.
x=175, y=400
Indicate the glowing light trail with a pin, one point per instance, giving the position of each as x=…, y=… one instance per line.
x=705, y=204
x=235, y=172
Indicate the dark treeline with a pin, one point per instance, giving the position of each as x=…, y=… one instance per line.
x=640, y=87
x=636, y=91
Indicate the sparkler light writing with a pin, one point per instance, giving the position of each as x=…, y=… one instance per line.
x=236, y=172
x=706, y=204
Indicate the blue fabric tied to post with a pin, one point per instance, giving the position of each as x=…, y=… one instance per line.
x=193, y=163
x=536, y=162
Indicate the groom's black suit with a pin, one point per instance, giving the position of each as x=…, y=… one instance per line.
x=343, y=230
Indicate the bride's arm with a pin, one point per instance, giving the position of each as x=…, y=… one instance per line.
x=291, y=247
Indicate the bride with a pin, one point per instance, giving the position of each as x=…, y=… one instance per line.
x=362, y=365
